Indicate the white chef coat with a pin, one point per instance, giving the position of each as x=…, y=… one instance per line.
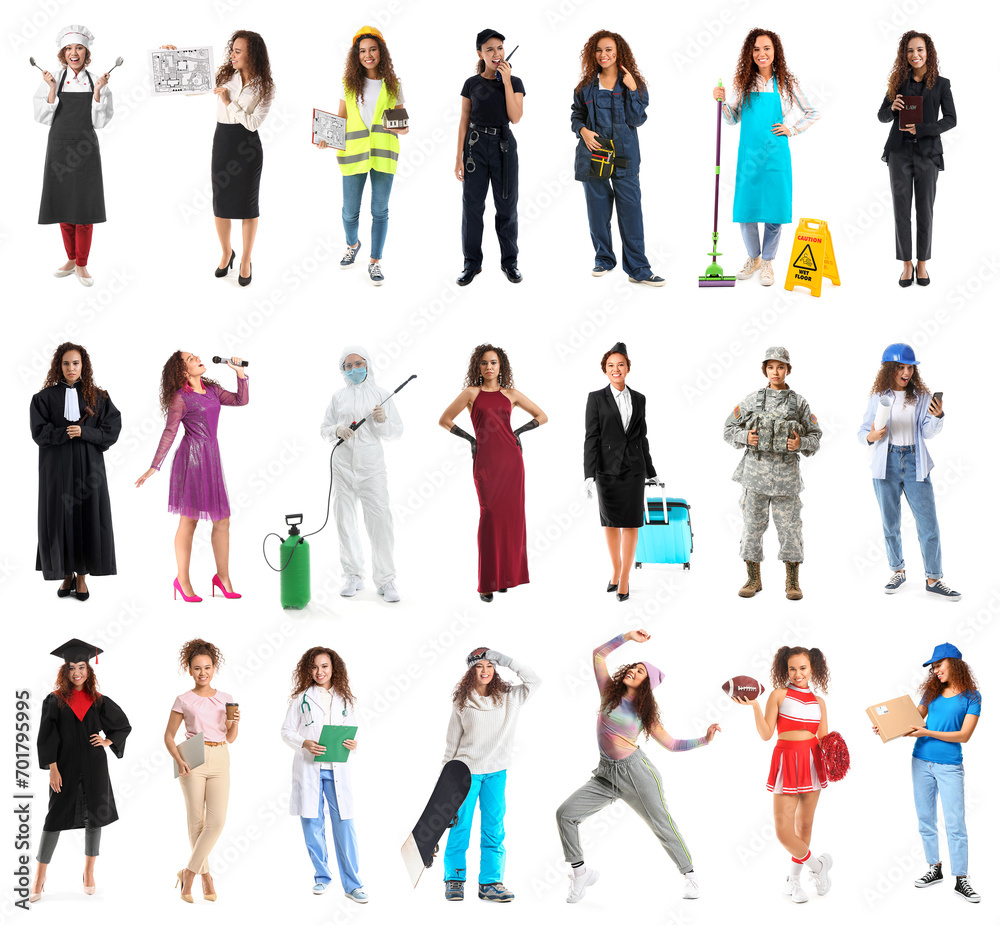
x=100, y=113
x=245, y=107
x=305, y=772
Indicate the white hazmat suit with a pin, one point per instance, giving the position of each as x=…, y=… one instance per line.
x=359, y=472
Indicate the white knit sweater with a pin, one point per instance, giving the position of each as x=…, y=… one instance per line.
x=482, y=732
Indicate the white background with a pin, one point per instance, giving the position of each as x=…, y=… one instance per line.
x=695, y=354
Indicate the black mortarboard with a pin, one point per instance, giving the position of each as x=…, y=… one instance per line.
x=487, y=34
x=620, y=348
x=76, y=650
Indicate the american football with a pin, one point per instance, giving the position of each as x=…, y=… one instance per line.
x=743, y=686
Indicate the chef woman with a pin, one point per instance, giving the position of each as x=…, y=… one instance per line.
x=764, y=93
x=73, y=105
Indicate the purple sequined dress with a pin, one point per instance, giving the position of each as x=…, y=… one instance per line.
x=197, y=485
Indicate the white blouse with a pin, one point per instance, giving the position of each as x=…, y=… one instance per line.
x=100, y=113
x=902, y=422
x=245, y=107
x=810, y=114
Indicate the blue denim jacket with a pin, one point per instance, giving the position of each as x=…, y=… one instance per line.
x=925, y=427
x=628, y=112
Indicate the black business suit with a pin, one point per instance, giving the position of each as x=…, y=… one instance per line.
x=915, y=160
x=619, y=461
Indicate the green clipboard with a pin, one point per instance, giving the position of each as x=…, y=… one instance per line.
x=332, y=738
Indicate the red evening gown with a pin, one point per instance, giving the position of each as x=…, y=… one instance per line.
x=499, y=473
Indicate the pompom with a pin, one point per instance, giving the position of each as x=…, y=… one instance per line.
x=836, y=757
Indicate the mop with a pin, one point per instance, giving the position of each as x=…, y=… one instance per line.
x=713, y=275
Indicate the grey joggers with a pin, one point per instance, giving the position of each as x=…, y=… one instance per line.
x=638, y=783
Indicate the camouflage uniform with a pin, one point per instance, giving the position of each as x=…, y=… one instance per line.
x=769, y=473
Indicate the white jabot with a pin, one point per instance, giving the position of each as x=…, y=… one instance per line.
x=71, y=404
x=624, y=401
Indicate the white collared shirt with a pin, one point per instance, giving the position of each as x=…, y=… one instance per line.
x=731, y=109
x=245, y=107
x=100, y=113
x=624, y=401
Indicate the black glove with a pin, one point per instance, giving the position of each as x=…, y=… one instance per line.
x=531, y=425
x=458, y=432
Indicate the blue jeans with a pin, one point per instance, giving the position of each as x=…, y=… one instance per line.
x=751, y=238
x=947, y=780
x=900, y=478
x=490, y=791
x=354, y=185
x=622, y=194
x=345, y=839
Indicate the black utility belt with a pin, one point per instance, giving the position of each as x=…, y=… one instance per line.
x=604, y=160
x=487, y=129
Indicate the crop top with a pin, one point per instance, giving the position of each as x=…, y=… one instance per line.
x=799, y=712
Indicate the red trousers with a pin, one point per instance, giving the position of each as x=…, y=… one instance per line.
x=76, y=240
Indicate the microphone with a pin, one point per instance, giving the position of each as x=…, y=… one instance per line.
x=221, y=360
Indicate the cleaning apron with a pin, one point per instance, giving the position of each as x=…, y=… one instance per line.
x=73, y=185
x=764, y=164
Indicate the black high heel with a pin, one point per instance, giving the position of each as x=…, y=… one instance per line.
x=924, y=280
x=486, y=597
x=224, y=271
x=622, y=597
x=612, y=587
x=66, y=592
x=245, y=280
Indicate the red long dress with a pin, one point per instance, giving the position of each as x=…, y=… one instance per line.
x=499, y=473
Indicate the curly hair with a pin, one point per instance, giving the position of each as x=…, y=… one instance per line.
x=260, y=66
x=643, y=700
x=885, y=381
x=64, y=687
x=817, y=660
x=92, y=393
x=195, y=647
x=901, y=67
x=496, y=689
x=588, y=59
x=174, y=378
x=472, y=377
x=960, y=677
x=302, y=675
x=747, y=69
x=62, y=57
x=611, y=353
x=355, y=73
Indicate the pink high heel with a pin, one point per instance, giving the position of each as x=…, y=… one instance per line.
x=194, y=599
x=228, y=595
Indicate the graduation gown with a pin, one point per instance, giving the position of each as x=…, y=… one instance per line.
x=84, y=767
x=75, y=533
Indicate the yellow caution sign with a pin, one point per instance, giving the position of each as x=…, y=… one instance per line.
x=812, y=257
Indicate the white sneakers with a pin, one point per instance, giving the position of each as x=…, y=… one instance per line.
x=821, y=877
x=690, y=886
x=749, y=268
x=766, y=273
x=794, y=889
x=389, y=593
x=578, y=885
x=352, y=584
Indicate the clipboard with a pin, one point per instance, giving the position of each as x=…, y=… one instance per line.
x=192, y=751
x=332, y=738
x=329, y=127
x=895, y=717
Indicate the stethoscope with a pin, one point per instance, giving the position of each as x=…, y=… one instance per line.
x=305, y=708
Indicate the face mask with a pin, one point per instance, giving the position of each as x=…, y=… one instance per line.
x=357, y=376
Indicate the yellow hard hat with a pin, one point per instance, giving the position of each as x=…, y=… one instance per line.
x=367, y=30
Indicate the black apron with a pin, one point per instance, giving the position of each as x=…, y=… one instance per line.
x=73, y=186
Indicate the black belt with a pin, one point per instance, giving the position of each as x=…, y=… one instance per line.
x=485, y=129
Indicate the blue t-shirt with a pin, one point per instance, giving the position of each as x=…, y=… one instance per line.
x=946, y=714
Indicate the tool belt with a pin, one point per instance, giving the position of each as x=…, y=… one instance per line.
x=604, y=160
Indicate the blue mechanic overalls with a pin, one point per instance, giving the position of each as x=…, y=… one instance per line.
x=764, y=164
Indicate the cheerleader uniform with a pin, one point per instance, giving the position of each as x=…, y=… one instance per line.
x=797, y=765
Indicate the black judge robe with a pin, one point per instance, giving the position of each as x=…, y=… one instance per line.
x=74, y=509
x=64, y=739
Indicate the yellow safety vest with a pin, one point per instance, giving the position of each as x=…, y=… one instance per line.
x=377, y=149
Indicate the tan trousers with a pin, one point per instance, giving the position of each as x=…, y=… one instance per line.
x=206, y=795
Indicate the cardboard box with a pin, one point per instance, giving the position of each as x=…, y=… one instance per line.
x=895, y=717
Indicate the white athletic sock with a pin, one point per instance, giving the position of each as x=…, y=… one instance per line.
x=796, y=872
x=580, y=871
x=690, y=875
x=813, y=863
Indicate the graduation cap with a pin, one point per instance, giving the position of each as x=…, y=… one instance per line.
x=76, y=650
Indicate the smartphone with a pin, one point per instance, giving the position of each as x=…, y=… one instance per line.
x=937, y=396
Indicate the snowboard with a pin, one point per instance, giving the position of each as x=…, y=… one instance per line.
x=440, y=813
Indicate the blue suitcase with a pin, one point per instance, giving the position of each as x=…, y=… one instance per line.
x=666, y=534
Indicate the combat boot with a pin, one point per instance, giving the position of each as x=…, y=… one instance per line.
x=753, y=584
x=792, y=590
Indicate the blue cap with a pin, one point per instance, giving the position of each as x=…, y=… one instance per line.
x=944, y=650
x=900, y=353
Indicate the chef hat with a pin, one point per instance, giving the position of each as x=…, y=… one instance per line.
x=74, y=35
x=76, y=650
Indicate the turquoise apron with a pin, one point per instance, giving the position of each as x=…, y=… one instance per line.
x=764, y=164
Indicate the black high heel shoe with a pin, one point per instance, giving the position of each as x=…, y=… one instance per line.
x=245, y=280
x=66, y=592
x=486, y=597
x=622, y=597
x=612, y=587
x=80, y=595
x=924, y=280
x=224, y=271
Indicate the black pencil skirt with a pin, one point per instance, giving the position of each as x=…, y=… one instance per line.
x=620, y=500
x=237, y=160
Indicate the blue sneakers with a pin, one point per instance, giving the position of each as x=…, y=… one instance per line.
x=350, y=254
x=454, y=890
x=895, y=583
x=358, y=895
x=940, y=588
x=495, y=892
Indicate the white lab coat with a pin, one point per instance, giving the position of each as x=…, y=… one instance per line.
x=305, y=798
x=359, y=472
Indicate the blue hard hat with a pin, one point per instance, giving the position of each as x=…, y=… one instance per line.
x=900, y=353
x=944, y=650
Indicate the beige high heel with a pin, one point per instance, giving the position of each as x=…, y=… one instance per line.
x=34, y=897
x=187, y=897
x=210, y=897
x=89, y=890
